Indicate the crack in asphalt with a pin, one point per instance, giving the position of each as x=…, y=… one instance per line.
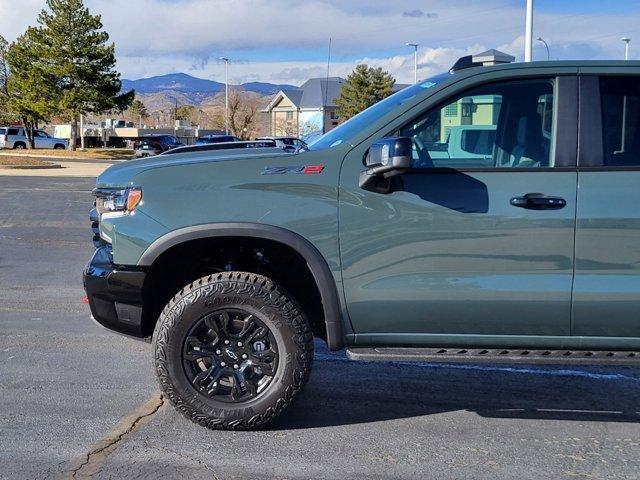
x=92, y=461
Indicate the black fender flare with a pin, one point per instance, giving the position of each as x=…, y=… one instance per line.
x=315, y=261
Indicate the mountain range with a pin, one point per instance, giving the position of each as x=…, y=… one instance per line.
x=193, y=86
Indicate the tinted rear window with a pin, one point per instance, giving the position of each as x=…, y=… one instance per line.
x=218, y=139
x=147, y=141
x=621, y=120
x=3, y=131
x=13, y=131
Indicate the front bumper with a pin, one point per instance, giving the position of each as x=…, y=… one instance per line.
x=114, y=293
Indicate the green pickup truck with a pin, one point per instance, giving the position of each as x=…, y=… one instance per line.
x=232, y=261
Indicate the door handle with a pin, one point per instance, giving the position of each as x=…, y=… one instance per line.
x=538, y=201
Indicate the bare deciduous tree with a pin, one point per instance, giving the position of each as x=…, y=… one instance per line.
x=244, y=112
x=286, y=128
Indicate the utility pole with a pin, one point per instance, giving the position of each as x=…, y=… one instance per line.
x=528, y=32
x=415, y=61
x=626, y=41
x=226, y=94
x=540, y=39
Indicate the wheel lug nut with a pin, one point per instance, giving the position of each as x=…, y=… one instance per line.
x=226, y=342
x=222, y=364
x=239, y=344
x=218, y=352
x=245, y=356
x=235, y=366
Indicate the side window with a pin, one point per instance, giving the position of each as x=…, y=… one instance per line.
x=621, y=120
x=507, y=124
x=13, y=131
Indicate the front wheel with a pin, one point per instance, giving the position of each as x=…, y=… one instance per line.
x=232, y=350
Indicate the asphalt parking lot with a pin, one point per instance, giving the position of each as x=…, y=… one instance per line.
x=79, y=402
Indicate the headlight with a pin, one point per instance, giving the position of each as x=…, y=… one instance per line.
x=123, y=200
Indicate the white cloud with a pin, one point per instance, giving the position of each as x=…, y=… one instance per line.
x=158, y=36
x=14, y=18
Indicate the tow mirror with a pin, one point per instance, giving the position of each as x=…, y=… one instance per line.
x=386, y=158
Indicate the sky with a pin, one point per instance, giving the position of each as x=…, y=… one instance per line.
x=287, y=41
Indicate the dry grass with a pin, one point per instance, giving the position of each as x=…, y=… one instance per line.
x=89, y=154
x=21, y=161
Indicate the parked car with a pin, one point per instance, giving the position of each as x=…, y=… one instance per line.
x=236, y=259
x=208, y=139
x=150, y=145
x=208, y=147
x=290, y=144
x=16, y=138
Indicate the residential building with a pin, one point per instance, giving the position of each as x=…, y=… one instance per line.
x=305, y=111
x=478, y=109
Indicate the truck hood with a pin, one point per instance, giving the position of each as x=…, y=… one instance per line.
x=122, y=174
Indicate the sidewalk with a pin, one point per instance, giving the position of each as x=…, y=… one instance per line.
x=55, y=159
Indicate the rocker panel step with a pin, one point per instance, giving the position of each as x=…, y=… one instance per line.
x=495, y=355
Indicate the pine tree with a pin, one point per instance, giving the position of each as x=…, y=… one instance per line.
x=184, y=112
x=5, y=113
x=138, y=110
x=364, y=87
x=4, y=68
x=76, y=49
x=30, y=88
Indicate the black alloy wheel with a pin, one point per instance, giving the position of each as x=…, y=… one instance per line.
x=230, y=355
x=232, y=350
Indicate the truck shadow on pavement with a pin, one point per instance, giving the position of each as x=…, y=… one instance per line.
x=341, y=392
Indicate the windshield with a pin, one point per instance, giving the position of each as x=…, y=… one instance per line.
x=355, y=124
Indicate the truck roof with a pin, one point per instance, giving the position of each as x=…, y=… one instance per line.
x=554, y=64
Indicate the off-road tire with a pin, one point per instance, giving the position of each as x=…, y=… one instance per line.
x=59, y=146
x=276, y=309
x=19, y=146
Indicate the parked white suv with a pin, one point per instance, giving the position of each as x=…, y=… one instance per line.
x=15, y=137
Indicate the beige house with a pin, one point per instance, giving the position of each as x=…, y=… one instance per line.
x=305, y=111
x=476, y=110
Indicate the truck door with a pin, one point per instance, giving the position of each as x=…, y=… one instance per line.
x=606, y=300
x=469, y=250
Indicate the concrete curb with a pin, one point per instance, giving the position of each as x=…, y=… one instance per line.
x=30, y=167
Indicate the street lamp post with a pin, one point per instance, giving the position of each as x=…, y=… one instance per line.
x=626, y=41
x=415, y=61
x=226, y=94
x=540, y=39
x=623, y=135
x=81, y=132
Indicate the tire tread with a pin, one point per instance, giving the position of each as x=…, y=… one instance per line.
x=241, y=283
